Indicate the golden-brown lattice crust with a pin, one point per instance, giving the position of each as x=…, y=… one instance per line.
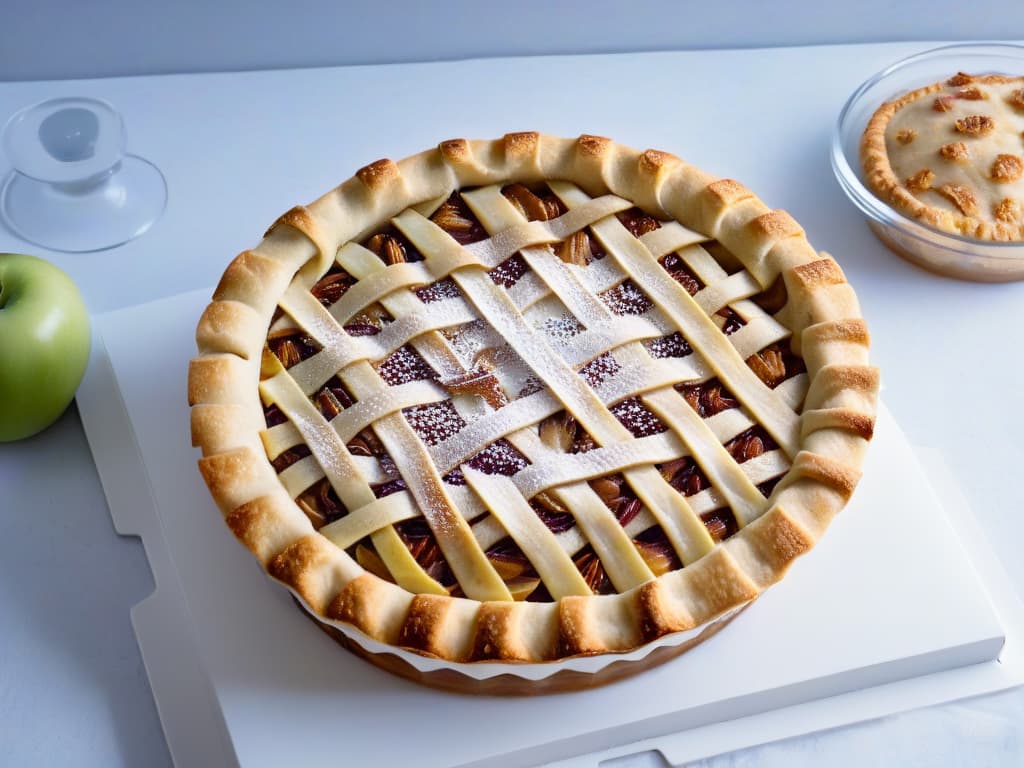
x=963, y=216
x=821, y=312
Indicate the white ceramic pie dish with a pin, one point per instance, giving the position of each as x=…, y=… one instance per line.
x=935, y=250
x=519, y=678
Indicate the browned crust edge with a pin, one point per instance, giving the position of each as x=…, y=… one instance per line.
x=508, y=684
x=821, y=310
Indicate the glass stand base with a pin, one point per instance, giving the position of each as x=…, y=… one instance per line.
x=85, y=217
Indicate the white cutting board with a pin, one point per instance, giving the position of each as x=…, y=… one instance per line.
x=889, y=595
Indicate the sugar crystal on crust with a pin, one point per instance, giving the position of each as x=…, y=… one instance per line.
x=956, y=150
x=975, y=125
x=1006, y=168
x=961, y=197
x=921, y=181
x=906, y=135
x=974, y=93
x=1008, y=210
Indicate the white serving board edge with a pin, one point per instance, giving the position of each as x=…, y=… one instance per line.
x=194, y=723
x=189, y=711
x=1005, y=672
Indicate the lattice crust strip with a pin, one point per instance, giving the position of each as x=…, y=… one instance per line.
x=708, y=267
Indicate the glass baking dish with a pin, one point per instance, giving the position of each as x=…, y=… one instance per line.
x=935, y=250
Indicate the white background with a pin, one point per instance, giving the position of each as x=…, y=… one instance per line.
x=59, y=39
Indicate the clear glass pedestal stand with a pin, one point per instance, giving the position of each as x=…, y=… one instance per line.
x=74, y=188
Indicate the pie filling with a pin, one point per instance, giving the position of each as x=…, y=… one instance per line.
x=474, y=421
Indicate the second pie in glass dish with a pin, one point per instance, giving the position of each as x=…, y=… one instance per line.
x=951, y=154
x=530, y=400
x=929, y=151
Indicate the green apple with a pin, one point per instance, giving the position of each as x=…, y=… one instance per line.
x=44, y=344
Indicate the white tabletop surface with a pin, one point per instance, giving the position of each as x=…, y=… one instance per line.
x=238, y=149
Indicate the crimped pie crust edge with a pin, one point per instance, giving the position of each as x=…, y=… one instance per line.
x=836, y=422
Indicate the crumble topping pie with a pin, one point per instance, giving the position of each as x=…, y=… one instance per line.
x=952, y=155
x=531, y=398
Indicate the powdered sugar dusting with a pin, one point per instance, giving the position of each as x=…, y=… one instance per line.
x=405, y=365
x=626, y=299
x=637, y=419
x=599, y=369
x=561, y=329
x=499, y=458
x=470, y=340
x=513, y=373
x=509, y=271
x=439, y=291
x=673, y=345
x=531, y=386
x=434, y=422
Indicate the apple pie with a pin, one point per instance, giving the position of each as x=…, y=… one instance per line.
x=533, y=398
